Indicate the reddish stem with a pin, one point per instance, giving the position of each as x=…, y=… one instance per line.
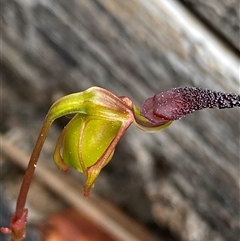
x=19, y=219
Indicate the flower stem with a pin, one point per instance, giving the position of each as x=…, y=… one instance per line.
x=27, y=179
x=19, y=218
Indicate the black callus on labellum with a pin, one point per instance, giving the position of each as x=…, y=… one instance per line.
x=176, y=103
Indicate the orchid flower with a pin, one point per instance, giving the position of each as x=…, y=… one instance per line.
x=88, y=141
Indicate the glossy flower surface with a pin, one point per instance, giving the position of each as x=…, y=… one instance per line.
x=88, y=141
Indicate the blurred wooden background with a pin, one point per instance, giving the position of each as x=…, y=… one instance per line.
x=181, y=183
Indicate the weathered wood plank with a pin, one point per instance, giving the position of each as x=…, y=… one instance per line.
x=187, y=176
x=105, y=218
x=222, y=15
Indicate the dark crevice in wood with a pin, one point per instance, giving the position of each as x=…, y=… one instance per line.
x=208, y=25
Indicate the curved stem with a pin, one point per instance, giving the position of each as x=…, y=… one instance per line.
x=27, y=179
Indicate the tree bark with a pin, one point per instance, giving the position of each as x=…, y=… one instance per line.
x=222, y=16
x=184, y=179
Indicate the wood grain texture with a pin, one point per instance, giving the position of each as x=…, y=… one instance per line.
x=101, y=218
x=223, y=16
x=187, y=177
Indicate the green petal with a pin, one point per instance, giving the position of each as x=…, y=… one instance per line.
x=97, y=136
x=86, y=140
x=71, y=142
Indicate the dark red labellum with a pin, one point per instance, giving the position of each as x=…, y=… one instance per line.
x=176, y=103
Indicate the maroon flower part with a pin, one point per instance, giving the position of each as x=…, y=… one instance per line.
x=176, y=103
x=18, y=226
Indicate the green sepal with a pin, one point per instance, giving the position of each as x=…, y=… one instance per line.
x=94, y=101
x=86, y=140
